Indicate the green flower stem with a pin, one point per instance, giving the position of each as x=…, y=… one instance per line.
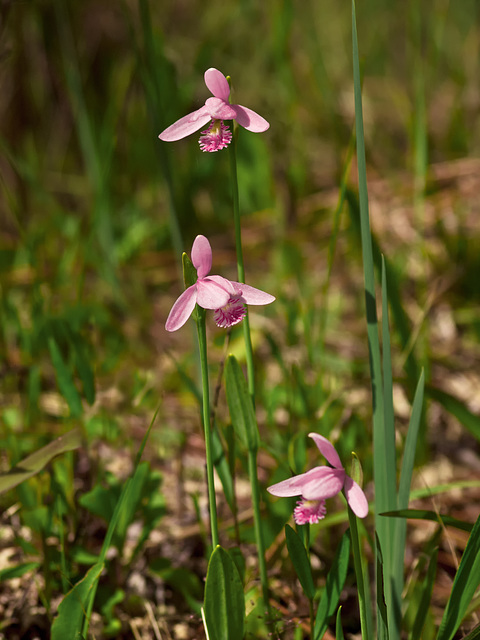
x=252, y=472
x=240, y=267
x=202, y=346
x=362, y=579
x=305, y=529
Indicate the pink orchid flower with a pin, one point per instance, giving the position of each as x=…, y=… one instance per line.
x=215, y=110
x=226, y=297
x=320, y=483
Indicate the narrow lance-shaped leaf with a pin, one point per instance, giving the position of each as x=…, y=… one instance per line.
x=35, y=462
x=240, y=405
x=299, y=557
x=464, y=586
x=224, y=605
x=64, y=379
x=424, y=514
x=425, y=598
x=333, y=587
x=338, y=630
x=71, y=611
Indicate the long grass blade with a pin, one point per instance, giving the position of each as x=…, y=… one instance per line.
x=464, y=586
x=423, y=607
x=400, y=526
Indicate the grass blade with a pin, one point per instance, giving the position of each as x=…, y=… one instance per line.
x=299, y=557
x=333, y=587
x=425, y=599
x=457, y=408
x=400, y=526
x=424, y=514
x=240, y=405
x=35, y=462
x=64, y=379
x=465, y=583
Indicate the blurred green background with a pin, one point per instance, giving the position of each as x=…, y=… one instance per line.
x=95, y=212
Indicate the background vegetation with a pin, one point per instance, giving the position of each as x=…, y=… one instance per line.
x=95, y=212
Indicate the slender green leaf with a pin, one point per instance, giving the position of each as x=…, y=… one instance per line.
x=299, y=557
x=124, y=497
x=411, y=445
x=394, y=583
x=424, y=514
x=64, y=379
x=224, y=604
x=384, y=476
x=382, y=621
x=18, y=570
x=333, y=587
x=400, y=527
x=72, y=610
x=84, y=369
x=363, y=582
x=473, y=635
x=240, y=405
x=465, y=583
x=427, y=492
x=223, y=469
x=338, y=629
x=424, y=604
x=457, y=408
x=390, y=449
x=35, y=462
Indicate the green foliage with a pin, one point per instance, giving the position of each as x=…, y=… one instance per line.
x=240, y=405
x=301, y=562
x=224, y=604
x=466, y=582
x=71, y=611
x=333, y=587
x=35, y=462
x=145, y=501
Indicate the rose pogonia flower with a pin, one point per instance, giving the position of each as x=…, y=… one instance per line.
x=215, y=111
x=320, y=483
x=226, y=297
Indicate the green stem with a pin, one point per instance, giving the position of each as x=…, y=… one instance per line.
x=202, y=346
x=240, y=267
x=362, y=579
x=312, y=618
x=252, y=472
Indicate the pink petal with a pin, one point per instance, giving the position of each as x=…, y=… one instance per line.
x=220, y=110
x=181, y=309
x=322, y=483
x=225, y=284
x=202, y=256
x=210, y=294
x=250, y=120
x=289, y=487
x=186, y=125
x=252, y=295
x=217, y=84
x=356, y=498
x=327, y=449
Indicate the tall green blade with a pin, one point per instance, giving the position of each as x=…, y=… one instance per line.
x=224, y=605
x=36, y=461
x=400, y=527
x=464, y=586
x=240, y=405
x=384, y=474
